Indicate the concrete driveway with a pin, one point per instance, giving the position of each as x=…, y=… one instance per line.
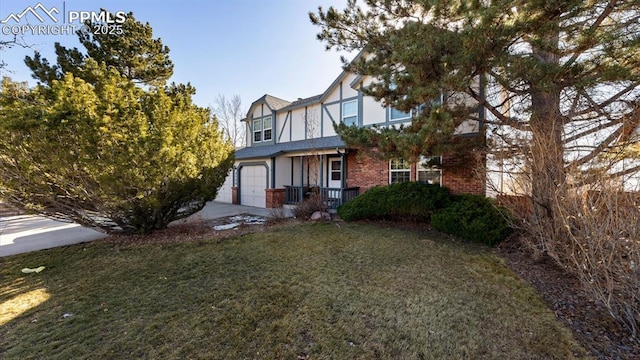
x=25, y=233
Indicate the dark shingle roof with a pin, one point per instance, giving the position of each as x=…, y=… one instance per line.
x=302, y=102
x=275, y=103
x=256, y=152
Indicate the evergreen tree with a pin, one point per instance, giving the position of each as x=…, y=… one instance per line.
x=90, y=145
x=560, y=80
x=133, y=52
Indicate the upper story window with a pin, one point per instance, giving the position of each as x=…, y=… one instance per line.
x=266, y=128
x=399, y=171
x=262, y=129
x=350, y=112
x=433, y=102
x=257, y=130
x=428, y=170
x=395, y=114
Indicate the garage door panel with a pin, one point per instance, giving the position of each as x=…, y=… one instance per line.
x=252, y=185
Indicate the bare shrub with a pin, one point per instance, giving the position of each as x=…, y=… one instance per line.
x=305, y=209
x=603, y=249
x=601, y=243
x=592, y=229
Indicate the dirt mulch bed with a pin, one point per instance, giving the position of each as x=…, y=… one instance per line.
x=590, y=322
x=195, y=231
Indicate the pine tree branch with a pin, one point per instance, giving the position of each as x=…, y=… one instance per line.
x=591, y=41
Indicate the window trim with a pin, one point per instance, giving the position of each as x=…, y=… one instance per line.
x=355, y=115
x=404, y=170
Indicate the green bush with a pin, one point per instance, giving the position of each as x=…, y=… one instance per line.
x=473, y=217
x=401, y=201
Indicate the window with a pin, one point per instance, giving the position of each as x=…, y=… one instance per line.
x=257, y=130
x=266, y=129
x=399, y=171
x=395, y=114
x=336, y=171
x=350, y=112
x=433, y=102
x=262, y=129
x=429, y=171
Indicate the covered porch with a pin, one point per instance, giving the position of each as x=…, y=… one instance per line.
x=320, y=174
x=331, y=197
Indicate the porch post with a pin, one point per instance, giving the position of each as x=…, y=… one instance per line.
x=301, y=170
x=321, y=175
x=291, y=171
x=343, y=166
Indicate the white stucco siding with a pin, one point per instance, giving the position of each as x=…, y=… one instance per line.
x=469, y=126
x=258, y=111
x=297, y=124
x=333, y=95
x=282, y=171
x=347, y=90
x=372, y=111
x=313, y=121
x=327, y=126
x=282, y=124
x=334, y=111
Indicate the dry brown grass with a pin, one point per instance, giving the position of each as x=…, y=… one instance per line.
x=318, y=291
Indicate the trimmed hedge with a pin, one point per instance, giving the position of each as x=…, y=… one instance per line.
x=475, y=218
x=400, y=201
x=471, y=217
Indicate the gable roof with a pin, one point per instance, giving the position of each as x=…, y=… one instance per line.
x=275, y=103
x=257, y=152
x=303, y=102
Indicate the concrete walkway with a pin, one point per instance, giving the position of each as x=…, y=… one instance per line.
x=26, y=233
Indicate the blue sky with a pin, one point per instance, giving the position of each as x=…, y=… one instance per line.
x=245, y=47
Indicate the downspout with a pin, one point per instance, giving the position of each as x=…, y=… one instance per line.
x=273, y=172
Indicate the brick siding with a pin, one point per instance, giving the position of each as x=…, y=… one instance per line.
x=274, y=198
x=234, y=195
x=366, y=172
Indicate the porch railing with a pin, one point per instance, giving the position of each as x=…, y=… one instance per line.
x=330, y=197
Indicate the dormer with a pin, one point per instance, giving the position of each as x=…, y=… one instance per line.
x=261, y=120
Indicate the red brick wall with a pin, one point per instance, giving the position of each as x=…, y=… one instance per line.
x=234, y=195
x=274, y=198
x=366, y=172
x=464, y=180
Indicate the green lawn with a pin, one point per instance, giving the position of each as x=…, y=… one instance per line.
x=316, y=291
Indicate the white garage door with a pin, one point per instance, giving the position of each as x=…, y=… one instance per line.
x=253, y=180
x=224, y=193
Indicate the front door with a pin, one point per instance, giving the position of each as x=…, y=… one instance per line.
x=335, y=173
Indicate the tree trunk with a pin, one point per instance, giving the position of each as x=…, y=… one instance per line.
x=548, y=176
